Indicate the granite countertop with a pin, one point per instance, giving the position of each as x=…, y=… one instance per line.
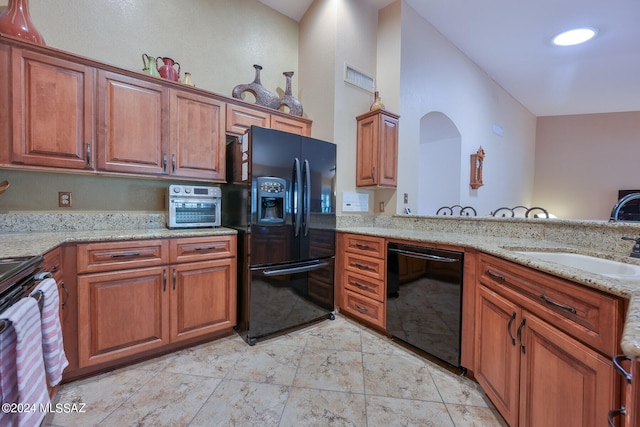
x=39, y=243
x=506, y=248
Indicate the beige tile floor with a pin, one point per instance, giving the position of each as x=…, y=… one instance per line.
x=333, y=373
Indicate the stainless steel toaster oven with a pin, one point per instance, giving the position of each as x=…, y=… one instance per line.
x=194, y=206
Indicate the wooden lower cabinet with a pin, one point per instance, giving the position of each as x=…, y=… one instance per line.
x=536, y=374
x=201, y=299
x=361, y=290
x=129, y=311
x=496, y=355
x=562, y=382
x=121, y=314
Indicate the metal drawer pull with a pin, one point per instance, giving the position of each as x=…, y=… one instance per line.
x=362, y=246
x=66, y=295
x=614, y=413
x=616, y=364
x=360, y=285
x=519, y=334
x=127, y=255
x=361, y=266
x=208, y=248
x=361, y=309
x=495, y=275
x=175, y=279
x=164, y=280
x=558, y=305
x=513, y=339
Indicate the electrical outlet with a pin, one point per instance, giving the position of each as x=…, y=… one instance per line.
x=406, y=198
x=381, y=206
x=64, y=199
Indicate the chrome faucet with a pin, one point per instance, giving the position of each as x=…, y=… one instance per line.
x=616, y=209
x=635, y=252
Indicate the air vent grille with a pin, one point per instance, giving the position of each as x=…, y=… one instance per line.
x=358, y=78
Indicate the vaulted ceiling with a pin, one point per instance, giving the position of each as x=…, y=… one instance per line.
x=511, y=41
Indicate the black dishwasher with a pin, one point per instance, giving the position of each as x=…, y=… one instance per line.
x=424, y=299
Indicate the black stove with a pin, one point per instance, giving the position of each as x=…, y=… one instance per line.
x=16, y=275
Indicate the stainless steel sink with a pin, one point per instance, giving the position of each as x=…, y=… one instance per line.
x=601, y=266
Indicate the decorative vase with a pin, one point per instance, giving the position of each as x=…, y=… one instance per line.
x=149, y=63
x=16, y=21
x=187, y=80
x=263, y=96
x=168, y=70
x=295, y=107
x=377, y=104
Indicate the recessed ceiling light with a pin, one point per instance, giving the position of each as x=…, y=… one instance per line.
x=576, y=36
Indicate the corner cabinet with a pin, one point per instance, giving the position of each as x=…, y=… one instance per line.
x=377, y=150
x=137, y=297
x=543, y=347
x=52, y=111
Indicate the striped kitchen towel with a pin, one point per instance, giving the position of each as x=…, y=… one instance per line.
x=23, y=380
x=55, y=359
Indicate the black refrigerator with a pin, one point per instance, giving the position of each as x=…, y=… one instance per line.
x=280, y=197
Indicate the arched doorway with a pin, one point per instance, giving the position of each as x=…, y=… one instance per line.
x=440, y=163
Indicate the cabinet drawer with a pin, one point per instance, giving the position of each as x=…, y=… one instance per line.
x=106, y=256
x=202, y=248
x=364, y=286
x=365, y=308
x=370, y=267
x=590, y=316
x=364, y=245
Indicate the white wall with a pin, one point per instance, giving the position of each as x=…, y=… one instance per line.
x=583, y=160
x=333, y=33
x=436, y=76
x=216, y=41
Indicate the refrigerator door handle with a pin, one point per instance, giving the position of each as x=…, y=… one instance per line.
x=291, y=270
x=296, y=200
x=306, y=197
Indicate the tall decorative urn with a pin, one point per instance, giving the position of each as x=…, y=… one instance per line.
x=16, y=21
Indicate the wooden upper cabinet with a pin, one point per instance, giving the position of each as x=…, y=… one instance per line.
x=377, y=149
x=132, y=135
x=197, y=137
x=291, y=124
x=52, y=111
x=240, y=119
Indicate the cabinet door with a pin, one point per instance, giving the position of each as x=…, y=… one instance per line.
x=367, y=152
x=132, y=135
x=52, y=111
x=291, y=125
x=497, y=353
x=121, y=314
x=202, y=298
x=198, y=139
x=562, y=382
x=388, y=156
x=240, y=119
